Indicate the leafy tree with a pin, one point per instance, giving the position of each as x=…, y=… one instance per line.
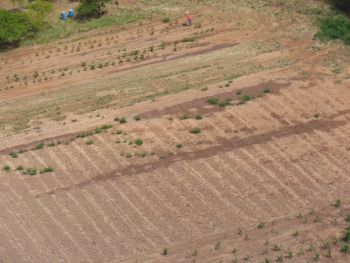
x=91, y=8
x=13, y=27
x=342, y=4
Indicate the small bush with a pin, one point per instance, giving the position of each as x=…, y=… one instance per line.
x=19, y=168
x=335, y=26
x=179, y=145
x=30, y=171
x=138, y=142
x=166, y=19
x=6, y=168
x=345, y=248
x=122, y=120
x=184, y=117
x=213, y=101
x=337, y=203
x=188, y=39
x=195, y=130
x=261, y=225
x=245, y=98
x=47, y=170
x=39, y=146
x=217, y=245
x=89, y=142
x=346, y=237
x=137, y=118
x=91, y=8
x=199, y=117
x=266, y=90
x=13, y=154
x=165, y=252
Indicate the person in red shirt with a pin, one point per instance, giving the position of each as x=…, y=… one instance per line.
x=189, y=18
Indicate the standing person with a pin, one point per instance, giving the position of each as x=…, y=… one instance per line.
x=189, y=18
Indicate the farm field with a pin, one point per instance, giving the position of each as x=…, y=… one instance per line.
x=226, y=141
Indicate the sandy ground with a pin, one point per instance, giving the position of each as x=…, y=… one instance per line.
x=259, y=182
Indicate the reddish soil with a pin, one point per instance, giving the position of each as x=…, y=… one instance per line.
x=266, y=180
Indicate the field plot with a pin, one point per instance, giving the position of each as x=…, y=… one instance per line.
x=227, y=141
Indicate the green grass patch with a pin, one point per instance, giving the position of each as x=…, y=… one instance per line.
x=245, y=98
x=61, y=29
x=334, y=26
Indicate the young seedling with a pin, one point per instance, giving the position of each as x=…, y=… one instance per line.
x=195, y=130
x=6, y=168
x=165, y=252
x=337, y=203
x=47, y=170
x=19, y=168
x=213, y=101
x=122, y=120
x=261, y=225
x=266, y=90
x=138, y=142
x=345, y=248
x=13, y=154
x=137, y=118
x=89, y=142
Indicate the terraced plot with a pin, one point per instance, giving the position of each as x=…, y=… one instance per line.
x=229, y=149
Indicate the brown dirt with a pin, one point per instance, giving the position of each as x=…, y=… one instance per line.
x=259, y=182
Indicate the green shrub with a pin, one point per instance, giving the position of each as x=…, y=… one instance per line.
x=13, y=27
x=166, y=19
x=91, y=8
x=30, y=171
x=138, y=142
x=13, y=154
x=195, y=130
x=6, y=168
x=47, y=170
x=335, y=26
x=245, y=98
x=213, y=101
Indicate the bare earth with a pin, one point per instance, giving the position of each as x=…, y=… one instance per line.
x=258, y=183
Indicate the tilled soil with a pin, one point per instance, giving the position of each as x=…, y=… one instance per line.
x=262, y=177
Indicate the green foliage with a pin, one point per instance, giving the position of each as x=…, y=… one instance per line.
x=37, y=11
x=195, y=130
x=342, y=4
x=47, y=170
x=13, y=27
x=138, y=142
x=91, y=8
x=6, y=168
x=334, y=26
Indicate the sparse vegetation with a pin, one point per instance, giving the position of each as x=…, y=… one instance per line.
x=47, y=170
x=138, y=142
x=165, y=252
x=6, y=168
x=195, y=130
x=334, y=26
